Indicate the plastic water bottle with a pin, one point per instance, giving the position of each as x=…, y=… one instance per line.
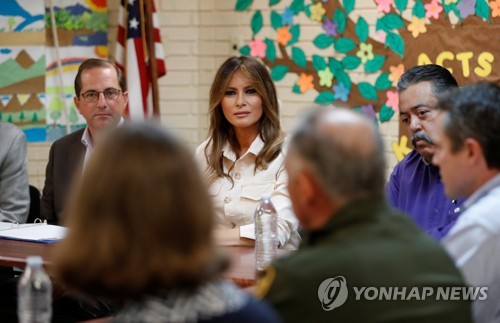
x=34, y=293
x=266, y=233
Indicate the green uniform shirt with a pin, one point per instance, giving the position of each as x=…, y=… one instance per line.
x=369, y=245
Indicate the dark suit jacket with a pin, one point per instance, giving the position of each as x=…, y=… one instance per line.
x=65, y=164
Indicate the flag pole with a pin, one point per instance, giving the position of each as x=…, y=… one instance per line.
x=153, y=67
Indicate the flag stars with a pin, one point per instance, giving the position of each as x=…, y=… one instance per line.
x=134, y=23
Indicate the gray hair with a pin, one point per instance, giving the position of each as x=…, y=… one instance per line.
x=346, y=168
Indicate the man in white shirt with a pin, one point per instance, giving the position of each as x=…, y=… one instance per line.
x=468, y=154
x=101, y=97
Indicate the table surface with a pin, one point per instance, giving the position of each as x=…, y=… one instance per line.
x=13, y=253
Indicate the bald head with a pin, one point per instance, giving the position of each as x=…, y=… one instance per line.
x=344, y=152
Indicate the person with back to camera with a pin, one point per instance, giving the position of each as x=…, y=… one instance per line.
x=141, y=228
x=243, y=157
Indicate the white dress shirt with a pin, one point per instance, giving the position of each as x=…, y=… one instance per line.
x=474, y=243
x=235, y=205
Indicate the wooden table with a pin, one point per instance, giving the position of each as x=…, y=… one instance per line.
x=13, y=253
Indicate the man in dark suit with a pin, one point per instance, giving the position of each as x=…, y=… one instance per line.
x=101, y=97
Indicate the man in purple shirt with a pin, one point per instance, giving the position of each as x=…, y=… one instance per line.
x=415, y=186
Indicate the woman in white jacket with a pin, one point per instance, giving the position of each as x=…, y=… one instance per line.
x=243, y=157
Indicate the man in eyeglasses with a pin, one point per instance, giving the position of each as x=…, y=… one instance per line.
x=101, y=97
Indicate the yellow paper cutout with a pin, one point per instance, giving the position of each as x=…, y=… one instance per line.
x=401, y=149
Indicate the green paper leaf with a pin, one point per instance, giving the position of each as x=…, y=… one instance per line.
x=334, y=65
x=392, y=21
x=483, y=9
x=242, y=5
x=323, y=41
x=343, y=77
x=324, y=98
x=295, y=31
x=256, y=22
x=379, y=25
x=271, y=50
x=396, y=43
x=245, y=50
x=351, y=62
x=367, y=91
x=318, y=62
x=362, y=29
x=296, y=89
x=449, y=7
x=297, y=6
x=386, y=113
x=276, y=20
x=401, y=5
x=375, y=64
x=418, y=9
x=348, y=5
x=299, y=57
x=383, y=82
x=278, y=72
x=273, y=2
x=344, y=45
x=340, y=18
x=307, y=10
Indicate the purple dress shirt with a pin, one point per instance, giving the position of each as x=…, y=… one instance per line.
x=416, y=189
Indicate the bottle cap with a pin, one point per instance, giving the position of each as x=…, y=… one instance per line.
x=265, y=196
x=34, y=261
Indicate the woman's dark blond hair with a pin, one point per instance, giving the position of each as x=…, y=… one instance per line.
x=140, y=220
x=221, y=131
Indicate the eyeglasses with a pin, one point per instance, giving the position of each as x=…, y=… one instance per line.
x=109, y=94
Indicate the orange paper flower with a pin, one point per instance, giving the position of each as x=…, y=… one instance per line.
x=396, y=72
x=417, y=26
x=284, y=35
x=305, y=82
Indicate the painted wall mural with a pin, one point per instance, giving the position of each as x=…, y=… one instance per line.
x=462, y=35
x=34, y=95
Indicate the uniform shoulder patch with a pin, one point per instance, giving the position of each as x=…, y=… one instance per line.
x=265, y=282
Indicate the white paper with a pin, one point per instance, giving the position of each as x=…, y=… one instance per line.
x=35, y=232
x=247, y=231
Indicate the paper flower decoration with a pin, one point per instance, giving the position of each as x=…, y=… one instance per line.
x=258, y=48
x=467, y=8
x=317, y=12
x=305, y=82
x=417, y=26
x=433, y=9
x=340, y=92
x=284, y=35
x=495, y=8
x=325, y=77
x=287, y=16
x=330, y=28
x=365, y=52
x=392, y=100
x=396, y=72
x=384, y=5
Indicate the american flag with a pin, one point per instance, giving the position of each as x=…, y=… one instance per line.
x=133, y=55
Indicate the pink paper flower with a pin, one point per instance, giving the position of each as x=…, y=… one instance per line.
x=392, y=100
x=433, y=9
x=384, y=5
x=258, y=48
